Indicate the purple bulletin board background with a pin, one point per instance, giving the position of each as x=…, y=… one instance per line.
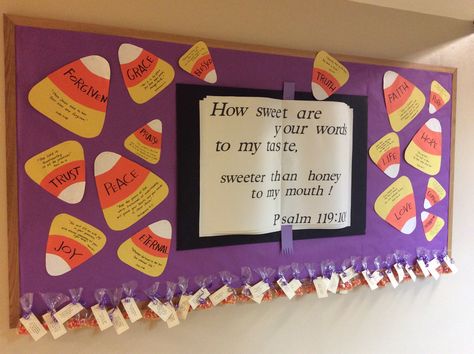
x=41, y=51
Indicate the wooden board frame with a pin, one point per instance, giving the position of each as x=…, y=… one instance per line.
x=11, y=21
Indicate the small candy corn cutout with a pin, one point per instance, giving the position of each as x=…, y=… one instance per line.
x=385, y=153
x=147, y=251
x=438, y=97
x=403, y=100
x=145, y=142
x=424, y=150
x=60, y=170
x=329, y=75
x=127, y=191
x=434, y=193
x=198, y=62
x=71, y=242
x=145, y=75
x=75, y=96
x=432, y=225
x=396, y=205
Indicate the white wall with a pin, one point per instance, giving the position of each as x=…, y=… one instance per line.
x=426, y=317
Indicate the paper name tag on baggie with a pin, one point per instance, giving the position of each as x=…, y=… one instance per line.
x=33, y=326
x=321, y=286
x=102, y=317
x=132, y=310
x=287, y=289
x=220, y=295
x=160, y=309
x=119, y=322
x=68, y=311
x=200, y=295
x=55, y=327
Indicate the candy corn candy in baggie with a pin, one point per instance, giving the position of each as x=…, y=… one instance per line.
x=75, y=96
x=424, y=150
x=434, y=193
x=329, y=75
x=198, y=62
x=396, y=205
x=385, y=153
x=432, y=225
x=145, y=75
x=439, y=96
x=145, y=142
x=403, y=100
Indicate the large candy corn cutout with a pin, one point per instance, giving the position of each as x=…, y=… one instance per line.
x=127, y=191
x=434, y=193
x=148, y=250
x=438, y=97
x=424, y=150
x=403, y=100
x=145, y=75
x=71, y=242
x=396, y=205
x=75, y=96
x=385, y=153
x=198, y=62
x=60, y=170
x=145, y=142
x=432, y=225
x=328, y=75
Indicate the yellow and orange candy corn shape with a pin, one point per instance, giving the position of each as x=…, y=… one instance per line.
x=60, y=170
x=71, y=242
x=439, y=96
x=396, y=205
x=424, y=150
x=145, y=142
x=434, y=193
x=147, y=251
x=329, y=75
x=145, y=75
x=75, y=96
x=198, y=62
x=432, y=225
x=403, y=100
x=385, y=153
x=127, y=191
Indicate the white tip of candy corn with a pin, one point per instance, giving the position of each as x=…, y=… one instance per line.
x=389, y=78
x=434, y=125
x=432, y=109
x=161, y=228
x=424, y=215
x=128, y=52
x=427, y=204
x=409, y=226
x=55, y=265
x=97, y=65
x=74, y=193
x=392, y=171
x=104, y=162
x=155, y=124
x=318, y=92
x=211, y=77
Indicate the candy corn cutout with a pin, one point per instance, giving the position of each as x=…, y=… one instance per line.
x=424, y=150
x=434, y=193
x=432, y=225
x=198, y=62
x=145, y=142
x=396, y=205
x=145, y=75
x=75, y=96
x=71, y=242
x=403, y=100
x=60, y=170
x=127, y=191
x=385, y=153
x=147, y=251
x=438, y=97
x=328, y=75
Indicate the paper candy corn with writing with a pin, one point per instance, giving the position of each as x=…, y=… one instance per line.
x=329, y=75
x=403, y=100
x=424, y=150
x=198, y=62
x=434, y=193
x=385, y=153
x=147, y=251
x=60, y=170
x=396, y=205
x=438, y=97
x=71, y=242
x=75, y=96
x=145, y=75
x=432, y=225
x=127, y=191
x=145, y=142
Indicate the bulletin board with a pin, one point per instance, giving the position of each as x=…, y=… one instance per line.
x=36, y=48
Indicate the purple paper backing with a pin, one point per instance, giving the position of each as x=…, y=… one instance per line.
x=41, y=51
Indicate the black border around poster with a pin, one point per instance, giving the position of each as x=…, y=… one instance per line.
x=188, y=147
